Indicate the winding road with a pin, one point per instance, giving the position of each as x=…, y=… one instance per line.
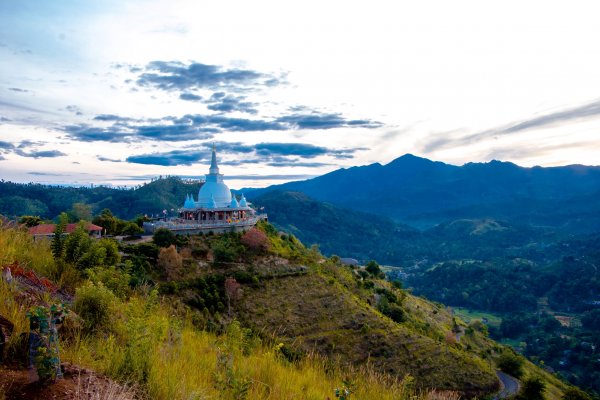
x=509, y=386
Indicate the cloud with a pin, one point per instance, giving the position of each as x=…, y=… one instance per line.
x=175, y=75
x=325, y=121
x=286, y=149
x=585, y=111
x=540, y=150
x=28, y=143
x=4, y=119
x=575, y=114
x=15, y=89
x=74, y=109
x=223, y=103
x=41, y=154
x=101, y=158
x=190, y=96
x=273, y=154
x=296, y=163
x=22, y=107
x=269, y=177
x=36, y=173
x=6, y=146
x=121, y=131
x=170, y=158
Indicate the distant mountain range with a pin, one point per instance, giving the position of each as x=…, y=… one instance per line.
x=424, y=193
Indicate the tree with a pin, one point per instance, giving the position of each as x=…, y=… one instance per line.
x=107, y=220
x=170, y=260
x=132, y=229
x=510, y=363
x=30, y=220
x=533, y=389
x=373, y=268
x=77, y=244
x=591, y=320
x=164, y=237
x=112, y=251
x=232, y=291
x=80, y=212
x=58, y=241
x=255, y=239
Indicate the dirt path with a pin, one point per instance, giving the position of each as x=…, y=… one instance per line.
x=77, y=384
x=510, y=386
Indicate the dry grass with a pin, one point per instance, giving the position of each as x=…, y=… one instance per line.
x=91, y=387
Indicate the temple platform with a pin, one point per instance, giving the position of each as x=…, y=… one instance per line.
x=191, y=227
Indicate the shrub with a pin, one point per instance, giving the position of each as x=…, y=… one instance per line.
x=255, y=239
x=222, y=252
x=510, y=363
x=112, y=278
x=94, y=303
x=373, y=268
x=164, y=237
x=170, y=260
x=533, y=389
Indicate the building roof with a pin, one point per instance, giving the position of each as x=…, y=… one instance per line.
x=48, y=229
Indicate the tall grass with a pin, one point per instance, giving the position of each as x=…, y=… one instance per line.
x=13, y=307
x=170, y=359
x=17, y=245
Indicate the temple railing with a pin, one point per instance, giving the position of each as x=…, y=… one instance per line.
x=182, y=224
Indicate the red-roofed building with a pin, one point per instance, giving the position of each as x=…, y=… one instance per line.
x=47, y=230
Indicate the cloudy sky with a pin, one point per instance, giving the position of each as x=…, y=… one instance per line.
x=118, y=92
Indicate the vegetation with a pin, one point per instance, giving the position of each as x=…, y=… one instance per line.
x=306, y=323
x=142, y=337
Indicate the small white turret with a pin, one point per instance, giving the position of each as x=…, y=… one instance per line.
x=243, y=202
x=234, y=202
x=212, y=203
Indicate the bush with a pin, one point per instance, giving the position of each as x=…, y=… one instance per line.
x=113, y=278
x=396, y=313
x=533, y=389
x=511, y=364
x=94, y=303
x=164, y=237
x=170, y=260
x=255, y=239
x=373, y=268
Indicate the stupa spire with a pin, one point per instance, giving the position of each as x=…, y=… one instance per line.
x=214, y=168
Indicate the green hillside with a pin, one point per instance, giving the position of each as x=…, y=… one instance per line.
x=48, y=201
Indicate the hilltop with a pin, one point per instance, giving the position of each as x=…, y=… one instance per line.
x=423, y=193
x=47, y=201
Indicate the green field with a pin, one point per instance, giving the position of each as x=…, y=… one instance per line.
x=470, y=315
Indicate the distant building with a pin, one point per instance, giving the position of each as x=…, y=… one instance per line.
x=349, y=261
x=47, y=230
x=216, y=209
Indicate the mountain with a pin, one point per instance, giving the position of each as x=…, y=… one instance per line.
x=337, y=230
x=423, y=193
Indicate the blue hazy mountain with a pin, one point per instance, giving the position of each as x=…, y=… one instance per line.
x=423, y=193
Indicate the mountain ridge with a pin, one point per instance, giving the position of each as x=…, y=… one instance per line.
x=410, y=187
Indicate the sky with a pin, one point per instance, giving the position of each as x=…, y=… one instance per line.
x=120, y=92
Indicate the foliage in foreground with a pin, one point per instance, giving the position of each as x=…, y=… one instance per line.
x=139, y=338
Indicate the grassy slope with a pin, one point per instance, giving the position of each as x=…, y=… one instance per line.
x=319, y=307
x=152, y=345
x=330, y=319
